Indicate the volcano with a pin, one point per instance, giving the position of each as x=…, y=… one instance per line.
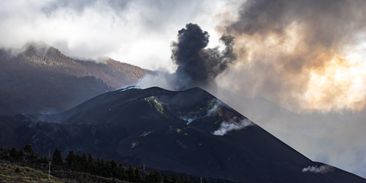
x=189, y=132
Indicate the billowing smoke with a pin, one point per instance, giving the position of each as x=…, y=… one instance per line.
x=300, y=74
x=307, y=55
x=196, y=64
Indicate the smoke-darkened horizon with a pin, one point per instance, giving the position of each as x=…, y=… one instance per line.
x=307, y=55
x=296, y=68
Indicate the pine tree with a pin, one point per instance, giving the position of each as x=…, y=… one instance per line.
x=57, y=157
x=90, y=158
x=153, y=177
x=28, y=150
x=70, y=159
x=13, y=154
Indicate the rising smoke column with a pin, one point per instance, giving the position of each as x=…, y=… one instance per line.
x=306, y=55
x=196, y=64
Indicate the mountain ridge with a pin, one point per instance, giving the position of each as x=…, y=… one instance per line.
x=187, y=131
x=31, y=78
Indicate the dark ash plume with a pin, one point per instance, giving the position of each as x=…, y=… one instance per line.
x=294, y=52
x=198, y=66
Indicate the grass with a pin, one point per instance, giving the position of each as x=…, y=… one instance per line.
x=10, y=173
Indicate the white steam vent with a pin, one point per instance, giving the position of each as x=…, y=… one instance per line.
x=318, y=169
x=226, y=127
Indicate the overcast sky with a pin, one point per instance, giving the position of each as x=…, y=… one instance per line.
x=134, y=31
x=141, y=32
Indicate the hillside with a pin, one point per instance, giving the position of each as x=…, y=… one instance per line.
x=189, y=132
x=24, y=165
x=41, y=79
x=10, y=173
x=13, y=173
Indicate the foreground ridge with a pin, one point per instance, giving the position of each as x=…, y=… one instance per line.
x=190, y=132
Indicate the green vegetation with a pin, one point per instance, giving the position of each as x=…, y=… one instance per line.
x=79, y=168
x=10, y=173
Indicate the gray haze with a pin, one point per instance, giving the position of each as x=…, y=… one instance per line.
x=301, y=75
x=292, y=75
x=134, y=31
x=301, y=43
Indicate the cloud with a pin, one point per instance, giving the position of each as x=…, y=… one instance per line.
x=161, y=78
x=317, y=169
x=196, y=64
x=334, y=138
x=226, y=127
x=300, y=53
x=135, y=31
x=293, y=74
x=300, y=75
x=295, y=58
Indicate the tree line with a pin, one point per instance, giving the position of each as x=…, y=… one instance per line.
x=86, y=163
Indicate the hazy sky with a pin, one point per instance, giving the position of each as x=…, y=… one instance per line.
x=134, y=31
x=300, y=72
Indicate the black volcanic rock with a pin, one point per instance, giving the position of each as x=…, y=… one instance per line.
x=189, y=132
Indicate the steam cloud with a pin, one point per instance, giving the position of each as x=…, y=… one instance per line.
x=302, y=54
x=126, y=30
x=307, y=57
x=226, y=127
x=198, y=66
x=318, y=169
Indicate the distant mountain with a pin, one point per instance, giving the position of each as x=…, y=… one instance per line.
x=41, y=79
x=190, y=132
